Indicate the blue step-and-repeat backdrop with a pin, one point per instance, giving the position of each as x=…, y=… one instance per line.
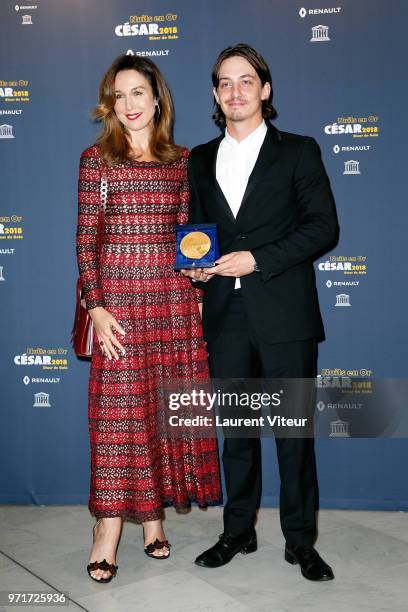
x=339, y=75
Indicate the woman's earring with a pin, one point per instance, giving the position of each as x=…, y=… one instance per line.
x=158, y=108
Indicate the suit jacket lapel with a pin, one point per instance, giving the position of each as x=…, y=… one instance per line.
x=267, y=155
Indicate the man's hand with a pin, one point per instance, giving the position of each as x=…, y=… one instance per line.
x=198, y=274
x=235, y=264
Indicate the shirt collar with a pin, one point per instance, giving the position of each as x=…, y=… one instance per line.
x=255, y=137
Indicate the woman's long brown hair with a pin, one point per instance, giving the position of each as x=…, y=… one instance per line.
x=113, y=143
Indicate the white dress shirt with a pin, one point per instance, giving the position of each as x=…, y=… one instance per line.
x=235, y=162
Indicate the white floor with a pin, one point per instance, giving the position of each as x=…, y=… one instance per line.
x=45, y=547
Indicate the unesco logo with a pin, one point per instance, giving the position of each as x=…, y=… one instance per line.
x=339, y=429
x=41, y=400
x=320, y=33
x=342, y=299
x=6, y=131
x=352, y=166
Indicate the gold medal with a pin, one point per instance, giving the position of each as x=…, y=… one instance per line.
x=195, y=245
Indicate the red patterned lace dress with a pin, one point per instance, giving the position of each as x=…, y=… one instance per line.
x=133, y=472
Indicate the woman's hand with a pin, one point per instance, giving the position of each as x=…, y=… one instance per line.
x=104, y=322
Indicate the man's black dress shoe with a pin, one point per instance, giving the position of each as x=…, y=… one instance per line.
x=226, y=547
x=311, y=564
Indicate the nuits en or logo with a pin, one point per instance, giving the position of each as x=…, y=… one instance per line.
x=339, y=429
x=144, y=29
x=42, y=400
x=329, y=266
x=9, y=228
x=319, y=11
x=342, y=299
x=351, y=167
x=35, y=360
x=6, y=131
x=349, y=265
x=14, y=91
x=335, y=378
x=358, y=127
x=343, y=128
x=320, y=33
x=154, y=27
x=49, y=359
x=27, y=20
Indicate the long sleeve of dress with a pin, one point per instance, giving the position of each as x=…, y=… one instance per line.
x=183, y=214
x=87, y=229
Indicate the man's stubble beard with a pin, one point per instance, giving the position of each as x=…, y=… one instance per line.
x=236, y=116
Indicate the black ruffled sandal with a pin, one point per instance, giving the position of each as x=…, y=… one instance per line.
x=157, y=545
x=102, y=565
x=105, y=567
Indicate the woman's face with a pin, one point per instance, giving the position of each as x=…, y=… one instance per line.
x=135, y=103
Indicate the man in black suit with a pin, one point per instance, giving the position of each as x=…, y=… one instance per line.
x=270, y=196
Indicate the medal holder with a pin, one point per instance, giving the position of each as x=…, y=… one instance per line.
x=196, y=246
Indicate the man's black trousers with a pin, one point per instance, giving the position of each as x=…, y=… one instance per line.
x=237, y=353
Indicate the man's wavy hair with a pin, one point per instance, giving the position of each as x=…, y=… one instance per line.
x=261, y=68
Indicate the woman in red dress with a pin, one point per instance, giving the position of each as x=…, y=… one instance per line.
x=146, y=316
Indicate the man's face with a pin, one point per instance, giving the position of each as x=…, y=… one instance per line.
x=240, y=91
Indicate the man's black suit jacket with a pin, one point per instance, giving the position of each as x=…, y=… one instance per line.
x=287, y=217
